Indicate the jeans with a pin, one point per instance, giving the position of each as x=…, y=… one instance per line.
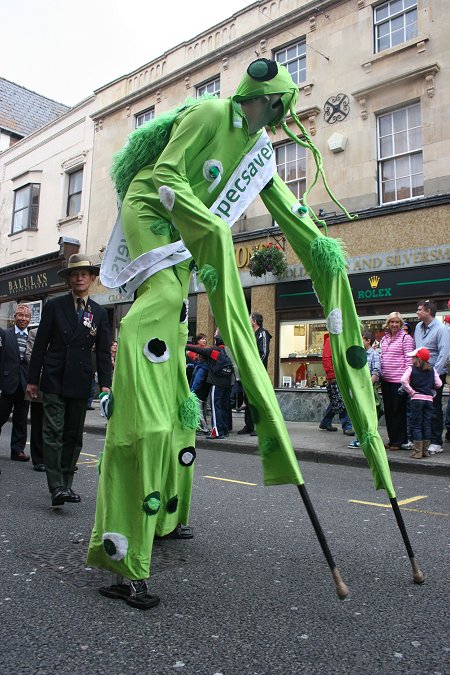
x=422, y=412
x=437, y=421
x=327, y=419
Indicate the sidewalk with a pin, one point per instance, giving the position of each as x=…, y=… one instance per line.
x=310, y=445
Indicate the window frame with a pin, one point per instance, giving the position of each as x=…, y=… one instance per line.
x=297, y=58
x=298, y=157
x=148, y=111
x=70, y=194
x=396, y=157
x=388, y=20
x=33, y=211
x=202, y=88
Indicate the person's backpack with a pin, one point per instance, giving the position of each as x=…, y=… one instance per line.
x=220, y=363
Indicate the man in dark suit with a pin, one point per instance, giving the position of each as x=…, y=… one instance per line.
x=70, y=326
x=14, y=378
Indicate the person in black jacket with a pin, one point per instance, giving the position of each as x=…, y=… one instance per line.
x=263, y=338
x=70, y=326
x=220, y=387
x=14, y=382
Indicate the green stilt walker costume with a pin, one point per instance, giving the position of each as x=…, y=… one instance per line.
x=191, y=187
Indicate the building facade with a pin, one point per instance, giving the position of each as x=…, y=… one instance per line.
x=44, y=197
x=375, y=87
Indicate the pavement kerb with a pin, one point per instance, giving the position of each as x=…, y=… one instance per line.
x=437, y=465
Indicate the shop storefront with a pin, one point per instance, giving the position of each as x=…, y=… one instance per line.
x=33, y=281
x=301, y=325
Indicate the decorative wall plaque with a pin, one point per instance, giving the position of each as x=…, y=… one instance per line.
x=336, y=108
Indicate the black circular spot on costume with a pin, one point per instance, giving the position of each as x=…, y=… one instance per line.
x=186, y=456
x=156, y=347
x=262, y=70
x=183, y=313
x=254, y=413
x=172, y=505
x=151, y=503
x=109, y=547
x=356, y=356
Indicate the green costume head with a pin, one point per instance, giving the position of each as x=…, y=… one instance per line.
x=269, y=78
x=266, y=78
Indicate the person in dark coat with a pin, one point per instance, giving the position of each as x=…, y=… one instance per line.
x=220, y=387
x=70, y=326
x=263, y=338
x=14, y=382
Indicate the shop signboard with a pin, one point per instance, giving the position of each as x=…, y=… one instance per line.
x=412, y=283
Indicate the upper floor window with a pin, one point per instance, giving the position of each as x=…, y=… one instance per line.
x=144, y=117
x=291, y=164
x=74, y=193
x=294, y=58
x=394, y=22
x=211, y=87
x=400, y=157
x=26, y=208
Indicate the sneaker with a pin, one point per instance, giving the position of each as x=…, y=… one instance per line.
x=408, y=446
x=354, y=444
x=348, y=432
x=329, y=427
x=435, y=449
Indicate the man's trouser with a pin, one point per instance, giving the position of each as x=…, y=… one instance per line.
x=62, y=437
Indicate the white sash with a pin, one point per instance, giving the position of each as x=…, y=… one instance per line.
x=248, y=179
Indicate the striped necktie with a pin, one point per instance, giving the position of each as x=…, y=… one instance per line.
x=22, y=343
x=80, y=309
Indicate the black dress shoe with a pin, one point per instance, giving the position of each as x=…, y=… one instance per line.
x=72, y=496
x=20, y=457
x=59, y=495
x=39, y=467
x=244, y=430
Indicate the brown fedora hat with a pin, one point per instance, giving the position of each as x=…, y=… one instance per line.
x=78, y=261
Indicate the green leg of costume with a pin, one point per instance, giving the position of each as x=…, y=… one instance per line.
x=147, y=459
x=324, y=261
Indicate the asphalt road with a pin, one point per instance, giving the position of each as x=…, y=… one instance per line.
x=251, y=594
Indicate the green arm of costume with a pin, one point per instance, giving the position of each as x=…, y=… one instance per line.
x=210, y=242
x=324, y=261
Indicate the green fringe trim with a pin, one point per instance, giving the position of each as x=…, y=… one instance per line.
x=99, y=463
x=145, y=144
x=161, y=227
x=328, y=255
x=208, y=277
x=268, y=446
x=189, y=413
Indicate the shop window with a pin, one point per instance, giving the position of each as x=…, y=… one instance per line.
x=294, y=58
x=394, y=22
x=143, y=117
x=26, y=208
x=210, y=87
x=400, y=156
x=301, y=344
x=291, y=164
x=74, y=191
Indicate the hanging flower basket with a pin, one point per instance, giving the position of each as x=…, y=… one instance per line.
x=267, y=258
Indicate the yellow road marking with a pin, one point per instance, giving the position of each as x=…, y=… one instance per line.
x=89, y=462
x=388, y=506
x=358, y=501
x=229, y=480
x=86, y=454
x=411, y=499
